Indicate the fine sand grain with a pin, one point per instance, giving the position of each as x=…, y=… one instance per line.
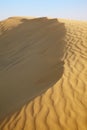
x=43, y=74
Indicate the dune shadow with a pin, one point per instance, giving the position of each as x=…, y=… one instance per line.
x=30, y=61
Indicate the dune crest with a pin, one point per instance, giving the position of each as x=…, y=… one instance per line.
x=48, y=60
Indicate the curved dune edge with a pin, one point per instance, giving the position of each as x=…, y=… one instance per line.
x=64, y=105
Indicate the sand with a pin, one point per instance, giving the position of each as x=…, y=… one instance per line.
x=43, y=74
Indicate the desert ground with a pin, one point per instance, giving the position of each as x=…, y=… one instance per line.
x=43, y=74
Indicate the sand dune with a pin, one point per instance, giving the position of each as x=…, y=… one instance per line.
x=43, y=73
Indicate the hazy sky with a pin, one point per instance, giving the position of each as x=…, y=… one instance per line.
x=73, y=9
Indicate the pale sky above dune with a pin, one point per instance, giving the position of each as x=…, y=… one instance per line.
x=72, y=9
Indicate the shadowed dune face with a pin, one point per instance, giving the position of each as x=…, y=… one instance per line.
x=31, y=54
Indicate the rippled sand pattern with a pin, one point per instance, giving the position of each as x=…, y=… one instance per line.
x=64, y=105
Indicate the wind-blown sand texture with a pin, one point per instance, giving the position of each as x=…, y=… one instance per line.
x=43, y=74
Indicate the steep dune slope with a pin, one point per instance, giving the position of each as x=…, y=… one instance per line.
x=43, y=55
x=29, y=60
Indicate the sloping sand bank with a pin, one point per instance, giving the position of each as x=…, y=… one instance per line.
x=44, y=59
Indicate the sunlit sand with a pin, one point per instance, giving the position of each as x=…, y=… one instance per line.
x=43, y=74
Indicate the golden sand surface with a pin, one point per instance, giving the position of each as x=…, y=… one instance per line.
x=43, y=74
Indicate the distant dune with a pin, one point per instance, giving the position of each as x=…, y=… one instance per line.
x=43, y=74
